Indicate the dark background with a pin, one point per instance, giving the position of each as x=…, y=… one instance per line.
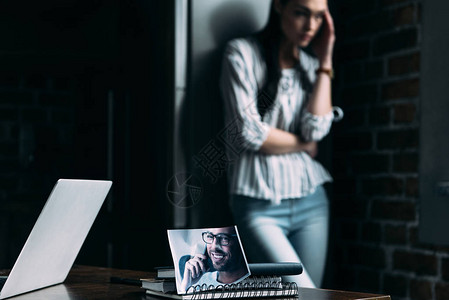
x=73, y=74
x=62, y=63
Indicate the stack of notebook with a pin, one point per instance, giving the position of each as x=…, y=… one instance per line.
x=265, y=281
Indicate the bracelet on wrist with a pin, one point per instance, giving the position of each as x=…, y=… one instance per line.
x=329, y=72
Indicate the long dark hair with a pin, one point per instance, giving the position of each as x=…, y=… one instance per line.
x=270, y=38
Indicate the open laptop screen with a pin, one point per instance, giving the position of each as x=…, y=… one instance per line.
x=57, y=236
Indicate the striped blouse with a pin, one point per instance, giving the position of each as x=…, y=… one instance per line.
x=266, y=176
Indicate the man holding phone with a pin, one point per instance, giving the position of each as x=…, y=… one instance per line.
x=222, y=263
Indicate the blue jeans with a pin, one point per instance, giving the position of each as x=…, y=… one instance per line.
x=294, y=231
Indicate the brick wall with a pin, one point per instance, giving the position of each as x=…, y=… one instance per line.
x=376, y=152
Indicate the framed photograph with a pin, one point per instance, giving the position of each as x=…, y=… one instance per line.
x=207, y=258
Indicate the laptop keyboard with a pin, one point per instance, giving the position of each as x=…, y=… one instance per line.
x=2, y=281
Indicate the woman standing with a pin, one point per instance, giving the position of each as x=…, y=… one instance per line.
x=280, y=98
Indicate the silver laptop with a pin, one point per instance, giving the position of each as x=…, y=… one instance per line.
x=57, y=236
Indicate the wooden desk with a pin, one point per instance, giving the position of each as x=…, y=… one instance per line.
x=85, y=282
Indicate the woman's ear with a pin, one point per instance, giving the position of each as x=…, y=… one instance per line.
x=278, y=6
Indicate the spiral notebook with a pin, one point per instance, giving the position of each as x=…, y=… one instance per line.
x=169, y=285
x=258, y=289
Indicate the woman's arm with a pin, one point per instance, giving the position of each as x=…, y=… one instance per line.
x=238, y=87
x=320, y=102
x=281, y=142
x=318, y=115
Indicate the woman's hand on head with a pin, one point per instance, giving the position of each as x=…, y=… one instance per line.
x=323, y=44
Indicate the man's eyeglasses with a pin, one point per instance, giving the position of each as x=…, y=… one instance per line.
x=222, y=238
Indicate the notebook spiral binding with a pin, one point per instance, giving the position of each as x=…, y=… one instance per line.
x=250, y=288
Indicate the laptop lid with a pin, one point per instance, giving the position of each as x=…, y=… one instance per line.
x=57, y=236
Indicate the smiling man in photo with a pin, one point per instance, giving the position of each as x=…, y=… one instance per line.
x=222, y=263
